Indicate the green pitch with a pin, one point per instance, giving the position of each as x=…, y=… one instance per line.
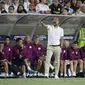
x=43, y=81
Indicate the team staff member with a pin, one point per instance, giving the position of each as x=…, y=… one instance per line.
x=39, y=52
x=74, y=56
x=3, y=60
x=55, y=41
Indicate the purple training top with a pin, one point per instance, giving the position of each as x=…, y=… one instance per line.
x=7, y=52
x=63, y=55
x=73, y=54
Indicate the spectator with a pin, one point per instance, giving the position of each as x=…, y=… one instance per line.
x=7, y=4
x=42, y=7
x=2, y=9
x=70, y=10
x=25, y=4
x=34, y=4
x=80, y=4
x=65, y=11
x=21, y=9
x=73, y=4
x=15, y=4
x=55, y=7
x=31, y=8
x=11, y=9
x=78, y=12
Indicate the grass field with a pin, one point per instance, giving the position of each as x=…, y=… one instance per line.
x=43, y=81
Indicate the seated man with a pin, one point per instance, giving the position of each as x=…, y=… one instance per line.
x=82, y=52
x=74, y=56
x=6, y=49
x=3, y=60
x=39, y=52
x=28, y=44
x=20, y=56
x=8, y=54
x=63, y=59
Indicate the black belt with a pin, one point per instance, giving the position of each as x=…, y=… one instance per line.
x=54, y=45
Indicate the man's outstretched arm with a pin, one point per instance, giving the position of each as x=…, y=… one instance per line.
x=43, y=24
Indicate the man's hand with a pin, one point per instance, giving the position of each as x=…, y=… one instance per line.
x=43, y=24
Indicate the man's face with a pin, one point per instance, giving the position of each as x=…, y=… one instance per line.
x=1, y=46
x=44, y=1
x=11, y=10
x=20, y=7
x=1, y=6
x=79, y=3
x=75, y=46
x=36, y=41
x=56, y=20
x=20, y=43
x=27, y=38
x=7, y=41
x=55, y=2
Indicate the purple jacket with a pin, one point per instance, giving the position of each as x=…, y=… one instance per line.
x=29, y=47
x=82, y=52
x=73, y=54
x=18, y=52
x=7, y=52
x=2, y=56
x=39, y=50
x=63, y=55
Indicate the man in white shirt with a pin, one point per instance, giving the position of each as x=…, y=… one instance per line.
x=42, y=7
x=55, y=42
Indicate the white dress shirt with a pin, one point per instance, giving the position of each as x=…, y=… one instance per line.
x=54, y=34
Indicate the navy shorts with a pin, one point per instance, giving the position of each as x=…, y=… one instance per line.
x=18, y=62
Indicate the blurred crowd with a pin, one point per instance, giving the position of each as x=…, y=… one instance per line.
x=63, y=7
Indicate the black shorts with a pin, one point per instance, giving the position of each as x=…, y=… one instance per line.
x=18, y=62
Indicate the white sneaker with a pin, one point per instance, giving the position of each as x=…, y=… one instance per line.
x=65, y=75
x=46, y=76
x=6, y=75
x=24, y=75
x=74, y=74
x=56, y=77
